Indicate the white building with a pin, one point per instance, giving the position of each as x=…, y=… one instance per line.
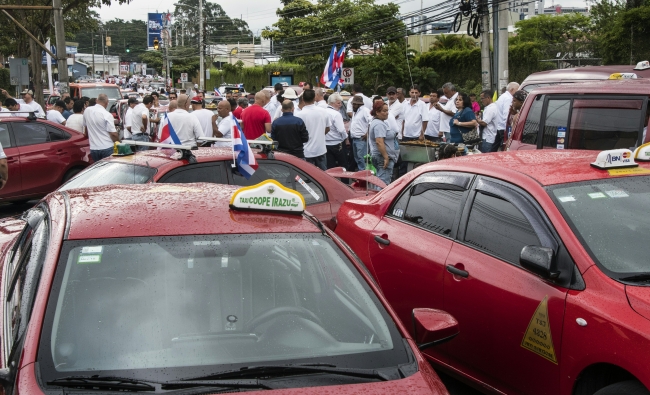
x=109, y=64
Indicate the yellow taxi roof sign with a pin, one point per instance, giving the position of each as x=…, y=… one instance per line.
x=622, y=76
x=642, y=153
x=615, y=158
x=270, y=196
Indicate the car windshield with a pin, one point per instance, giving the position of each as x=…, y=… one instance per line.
x=113, y=93
x=169, y=307
x=609, y=216
x=110, y=173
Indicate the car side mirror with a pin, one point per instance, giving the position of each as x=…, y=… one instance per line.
x=539, y=260
x=432, y=327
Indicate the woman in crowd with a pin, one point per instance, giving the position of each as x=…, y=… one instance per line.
x=384, y=149
x=464, y=120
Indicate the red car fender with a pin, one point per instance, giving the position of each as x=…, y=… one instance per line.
x=363, y=175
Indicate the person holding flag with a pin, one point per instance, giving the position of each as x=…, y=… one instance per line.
x=180, y=127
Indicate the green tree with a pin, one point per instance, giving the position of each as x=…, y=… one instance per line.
x=122, y=33
x=621, y=30
x=218, y=27
x=567, y=33
x=453, y=41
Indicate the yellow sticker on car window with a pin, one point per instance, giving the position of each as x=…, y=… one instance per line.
x=538, y=334
x=626, y=172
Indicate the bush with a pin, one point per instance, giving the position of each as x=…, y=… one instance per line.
x=257, y=76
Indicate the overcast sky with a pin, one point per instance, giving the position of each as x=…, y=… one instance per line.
x=258, y=13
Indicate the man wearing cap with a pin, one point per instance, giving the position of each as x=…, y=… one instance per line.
x=207, y=118
x=336, y=139
x=318, y=124
x=128, y=117
x=226, y=125
x=56, y=113
x=358, y=129
x=186, y=126
x=100, y=126
x=357, y=91
x=395, y=108
x=290, y=131
x=140, y=125
x=256, y=120
x=27, y=103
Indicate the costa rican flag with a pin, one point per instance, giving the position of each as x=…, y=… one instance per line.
x=167, y=135
x=244, y=156
x=338, y=65
x=216, y=92
x=328, y=72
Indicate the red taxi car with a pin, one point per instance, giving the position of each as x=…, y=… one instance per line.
x=198, y=297
x=323, y=193
x=41, y=155
x=541, y=257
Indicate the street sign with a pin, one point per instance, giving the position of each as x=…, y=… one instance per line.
x=183, y=77
x=348, y=75
x=18, y=71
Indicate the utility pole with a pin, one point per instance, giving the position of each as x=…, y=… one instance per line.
x=202, y=66
x=485, y=46
x=92, y=40
x=103, y=37
x=421, y=25
x=495, y=45
x=59, y=32
x=504, y=16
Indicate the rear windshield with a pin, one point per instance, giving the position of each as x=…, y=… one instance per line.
x=110, y=173
x=113, y=93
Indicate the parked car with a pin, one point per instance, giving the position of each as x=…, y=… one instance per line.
x=591, y=115
x=41, y=155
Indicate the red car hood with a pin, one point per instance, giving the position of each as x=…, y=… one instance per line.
x=639, y=298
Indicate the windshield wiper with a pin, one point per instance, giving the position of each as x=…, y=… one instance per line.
x=226, y=384
x=289, y=370
x=117, y=383
x=639, y=278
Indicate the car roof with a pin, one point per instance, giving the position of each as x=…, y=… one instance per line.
x=547, y=167
x=583, y=73
x=42, y=120
x=610, y=87
x=92, y=84
x=167, y=210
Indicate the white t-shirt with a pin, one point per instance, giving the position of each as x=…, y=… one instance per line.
x=393, y=125
x=128, y=122
x=270, y=107
x=397, y=110
x=76, y=122
x=33, y=106
x=503, y=108
x=490, y=116
x=367, y=102
x=337, y=133
x=205, y=119
x=321, y=104
x=316, y=120
x=55, y=116
x=360, y=121
x=5, y=110
x=186, y=126
x=414, y=115
x=433, y=127
x=99, y=123
x=444, y=118
x=225, y=127
x=136, y=119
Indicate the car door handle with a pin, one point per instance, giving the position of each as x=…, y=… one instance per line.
x=381, y=240
x=11, y=159
x=61, y=152
x=454, y=270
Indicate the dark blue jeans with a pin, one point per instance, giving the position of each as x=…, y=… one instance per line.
x=318, y=161
x=99, y=154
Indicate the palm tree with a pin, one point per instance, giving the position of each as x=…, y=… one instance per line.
x=453, y=41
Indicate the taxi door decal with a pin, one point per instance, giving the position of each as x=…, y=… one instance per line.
x=538, y=334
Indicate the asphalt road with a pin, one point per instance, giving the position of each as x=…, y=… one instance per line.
x=454, y=386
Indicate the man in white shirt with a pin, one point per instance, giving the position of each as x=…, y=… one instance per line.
x=56, y=113
x=358, y=91
x=12, y=105
x=140, y=125
x=76, y=120
x=432, y=133
x=224, y=129
x=270, y=106
x=318, y=124
x=448, y=109
x=100, y=126
x=186, y=126
x=358, y=129
x=277, y=88
x=320, y=98
x=207, y=118
x=128, y=117
x=337, y=138
x=27, y=103
x=503, y=107
x=416, y=116
x=395, y=108
x=488, y=122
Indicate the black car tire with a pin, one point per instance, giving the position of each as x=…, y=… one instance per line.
x=630, y=387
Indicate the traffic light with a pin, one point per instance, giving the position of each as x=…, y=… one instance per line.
x=128, y=48
x=155, y=43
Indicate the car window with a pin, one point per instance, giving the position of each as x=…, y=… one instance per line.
x=57, y=134
x=110, y=173
x=210, y=172
x=5, y=139
x=497, y=227
x=29, y=133
x=604, y=124
x=531, y=127
x=289, y=177
x=557, y=122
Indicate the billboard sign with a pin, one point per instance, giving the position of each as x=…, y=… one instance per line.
x=154, y=27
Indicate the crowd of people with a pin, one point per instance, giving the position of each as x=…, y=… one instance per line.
x=310, y=125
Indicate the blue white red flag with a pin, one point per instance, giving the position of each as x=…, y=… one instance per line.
x=244, y=156
x=338, y=65
x=326, y=77
x=216, y=92
x=331, y=76
x=166, y=134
